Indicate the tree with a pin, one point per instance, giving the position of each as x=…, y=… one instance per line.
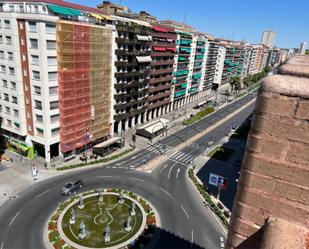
x=235, y=83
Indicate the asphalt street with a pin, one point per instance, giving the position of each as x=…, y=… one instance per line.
x=185, y=222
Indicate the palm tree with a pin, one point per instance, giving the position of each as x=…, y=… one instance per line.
x=235, y=83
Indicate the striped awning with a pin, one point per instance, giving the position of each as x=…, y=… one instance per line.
x=143, y=37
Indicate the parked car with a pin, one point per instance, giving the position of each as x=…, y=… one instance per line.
x=71, y=187
x=234, y=127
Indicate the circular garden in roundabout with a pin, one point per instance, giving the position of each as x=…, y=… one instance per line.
x=104, y=218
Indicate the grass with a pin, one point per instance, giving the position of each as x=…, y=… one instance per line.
x=206, y=196
x=242, y=132
x=198, y=115
x=116, y=217
x=221, y=153
x=103, y=160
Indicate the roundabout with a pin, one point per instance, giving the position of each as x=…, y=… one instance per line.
x=104, y=218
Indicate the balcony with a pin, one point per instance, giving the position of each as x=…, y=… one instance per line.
x=164, y=35
x=131, y=41
x=121, y=52
x=161, y=71
x=152, y=89
x=159, y=96
x=161, y=79
x=158, y=103
x=161, y=62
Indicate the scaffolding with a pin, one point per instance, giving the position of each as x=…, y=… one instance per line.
x=84, y=67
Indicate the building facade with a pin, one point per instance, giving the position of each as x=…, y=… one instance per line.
x=268, y=38
x=302, y=48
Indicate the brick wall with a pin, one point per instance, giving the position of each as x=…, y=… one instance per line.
x=274, y=182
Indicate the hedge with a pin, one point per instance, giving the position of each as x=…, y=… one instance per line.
x=207, y=198
x=103, y=160
x=198, y=115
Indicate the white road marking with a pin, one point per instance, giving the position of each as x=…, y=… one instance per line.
x=133, y=157
x=221, y=239
x=1, y=245
x=192, y=238
x=183, y=209
x=161, y=170
x=222, y=245
x=14, y=218
x=166, y=192
x=169, y=172
x=178, y=170
x=42, y=193
x=103, y=176
x=136, y=179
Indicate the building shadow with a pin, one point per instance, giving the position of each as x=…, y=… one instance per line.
x=163, y=239
x=229, y=169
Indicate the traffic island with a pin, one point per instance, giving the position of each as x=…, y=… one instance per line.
x=105, y=218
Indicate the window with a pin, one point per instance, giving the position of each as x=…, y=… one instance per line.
x=34, y=43
x=29, y=128
x=32, y=27
x=7, y=110
x=0, y=108
x=55, y=131
x=52, y=61
x=24, y=57
x=39, y=131
x=52, y=76
x=53, y=90
x=11, y=71
x=5, y=83
x=22, y=41
x=1, y=54
x=35, y=75
x=37, y=90
x=6, y=97
x=50, y=28
x=13, y=85
x=25, y=72
x=14, y=99
x=35, y=59
x=9, y=123
x=54, y=118
x=3, y=69
x=11, y=7
x=1, y=38
x=39, y=118
x=15, y=112
x=10, y=56
x=38, y=105
x=8, y=40
x=51, y=44
x=54, y=105
x=7, y=24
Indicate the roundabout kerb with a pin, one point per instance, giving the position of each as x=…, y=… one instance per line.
x=140, y=220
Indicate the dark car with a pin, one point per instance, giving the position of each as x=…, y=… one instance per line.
x=71, y=187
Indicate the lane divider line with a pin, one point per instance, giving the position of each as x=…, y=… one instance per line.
x=42, y=193
x=14, y=218
x=183, y=209
x=166, y=192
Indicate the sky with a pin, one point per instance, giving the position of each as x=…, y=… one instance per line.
x=232, y=19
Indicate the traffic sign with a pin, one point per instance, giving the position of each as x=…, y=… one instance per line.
x=222, y=182
x=213, y=179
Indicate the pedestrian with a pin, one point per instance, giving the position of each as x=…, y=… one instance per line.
x=11, y=160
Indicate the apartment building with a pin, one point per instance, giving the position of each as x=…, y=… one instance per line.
x=53, y=101
x=161, y=74
x=214, y=65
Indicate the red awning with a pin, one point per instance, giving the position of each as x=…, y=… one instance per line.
x=158, y=29
x=171, y=49
x=79, y=145
x=159, y=48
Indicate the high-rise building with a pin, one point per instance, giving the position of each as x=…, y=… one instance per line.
x=268, y=38
x=302, y=48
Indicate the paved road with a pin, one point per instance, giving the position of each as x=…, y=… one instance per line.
x=186, y=223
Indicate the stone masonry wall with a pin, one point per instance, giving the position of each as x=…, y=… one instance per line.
x=274, y=182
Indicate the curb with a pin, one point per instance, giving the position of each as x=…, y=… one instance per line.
x=222, y=227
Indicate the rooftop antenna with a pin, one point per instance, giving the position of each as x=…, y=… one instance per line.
x=184, y=17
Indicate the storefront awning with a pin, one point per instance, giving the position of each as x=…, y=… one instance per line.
x=108, y=142
x=143, y=37
x=97, y=16
x=143, y=59
x=171, y=49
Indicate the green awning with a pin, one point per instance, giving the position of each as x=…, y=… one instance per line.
x=64, y=11
x=199, y=57
x=182, y=58
x=197, y=76
x=184, y=85
x=23, y=148
x=188, y=50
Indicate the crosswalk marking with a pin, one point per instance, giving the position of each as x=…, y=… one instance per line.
x=159, y=148
x=181, y=157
